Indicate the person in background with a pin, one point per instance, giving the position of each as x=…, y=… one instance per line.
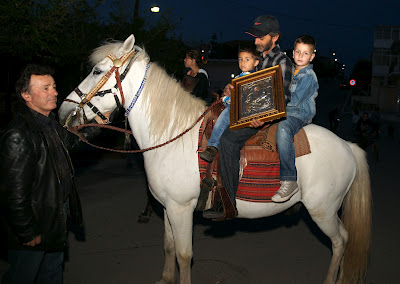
x=196, y=79
x=37, y=189
x=248, y=60
x=299, y=112
x=355, y=118
x=366, y=131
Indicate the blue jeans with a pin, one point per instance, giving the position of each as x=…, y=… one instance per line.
x=220, y=126
x=34, y=267
x=284, y=138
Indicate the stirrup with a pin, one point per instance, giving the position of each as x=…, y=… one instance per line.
x=230, y=211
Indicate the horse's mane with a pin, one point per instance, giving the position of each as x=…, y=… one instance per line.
x=170, y=108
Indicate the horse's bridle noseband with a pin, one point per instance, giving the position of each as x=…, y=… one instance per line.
x=85, y=98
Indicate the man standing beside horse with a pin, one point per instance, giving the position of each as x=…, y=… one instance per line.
x=266, y=32
x=37, y=189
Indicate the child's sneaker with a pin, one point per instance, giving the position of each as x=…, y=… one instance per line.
x=209, y=154
x=288, y=189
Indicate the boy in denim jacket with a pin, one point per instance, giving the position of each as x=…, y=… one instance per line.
x=300, y=112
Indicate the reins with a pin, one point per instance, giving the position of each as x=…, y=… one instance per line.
x=75, y=131
x=85, y=100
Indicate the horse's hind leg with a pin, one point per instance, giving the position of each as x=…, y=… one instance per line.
x=346, y=238
x=334, y=229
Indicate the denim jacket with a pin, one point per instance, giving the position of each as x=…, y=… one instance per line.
x=304, y=90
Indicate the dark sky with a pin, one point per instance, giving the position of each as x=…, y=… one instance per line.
x=344, y=26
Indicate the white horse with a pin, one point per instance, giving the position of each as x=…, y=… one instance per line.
x=335, y=174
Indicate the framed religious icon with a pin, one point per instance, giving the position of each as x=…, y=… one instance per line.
x=258, y=95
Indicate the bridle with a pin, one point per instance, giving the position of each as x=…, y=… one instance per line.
x=85, y=98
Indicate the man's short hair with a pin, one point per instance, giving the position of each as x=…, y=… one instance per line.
x=254, y=53
x=22, y=84
x=306, y=39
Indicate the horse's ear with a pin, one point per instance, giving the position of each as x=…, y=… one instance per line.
x=128, y=44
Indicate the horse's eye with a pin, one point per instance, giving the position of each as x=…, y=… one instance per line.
x=96, y=72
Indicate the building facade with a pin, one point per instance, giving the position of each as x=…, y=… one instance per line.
x=385, y=82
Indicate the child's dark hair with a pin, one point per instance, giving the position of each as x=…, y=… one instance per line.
x=197, y=56
x=306, y=39
x=254, y=53
x=22, y=84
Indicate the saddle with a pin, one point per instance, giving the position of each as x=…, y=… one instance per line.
x=259, y=164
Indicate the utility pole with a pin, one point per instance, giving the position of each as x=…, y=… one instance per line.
x=136, y=11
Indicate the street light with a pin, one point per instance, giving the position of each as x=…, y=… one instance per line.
x=155, y=9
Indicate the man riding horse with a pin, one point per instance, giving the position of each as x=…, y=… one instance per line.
x=266, y=32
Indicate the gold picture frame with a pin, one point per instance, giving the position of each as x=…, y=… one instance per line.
x=258, y=95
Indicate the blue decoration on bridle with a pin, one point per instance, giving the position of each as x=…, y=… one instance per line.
x=135, y=98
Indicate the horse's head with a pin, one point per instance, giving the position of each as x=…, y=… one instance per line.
x=101, y=91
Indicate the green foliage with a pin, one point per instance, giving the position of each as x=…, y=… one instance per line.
x=62, y=33
x=44, y=30
x=156, y=36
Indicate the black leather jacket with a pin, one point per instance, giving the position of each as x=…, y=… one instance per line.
x=30, y=193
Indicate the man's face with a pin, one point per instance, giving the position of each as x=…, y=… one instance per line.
x=42, y=94
x=263, y=43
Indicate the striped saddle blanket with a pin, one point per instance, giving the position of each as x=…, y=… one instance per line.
x=259, y=162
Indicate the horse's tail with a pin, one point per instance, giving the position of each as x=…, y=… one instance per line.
x=356, y=215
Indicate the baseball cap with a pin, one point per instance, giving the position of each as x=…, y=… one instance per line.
x=264, y=25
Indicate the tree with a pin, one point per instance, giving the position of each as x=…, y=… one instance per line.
x=43, y=30
x=62, y=33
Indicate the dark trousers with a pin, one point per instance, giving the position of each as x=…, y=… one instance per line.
x=229, y=155
x=37, y=267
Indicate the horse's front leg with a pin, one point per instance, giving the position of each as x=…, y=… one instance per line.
x=169, y=271
x=181, y=221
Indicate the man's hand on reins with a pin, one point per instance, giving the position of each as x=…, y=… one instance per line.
x=101, y=121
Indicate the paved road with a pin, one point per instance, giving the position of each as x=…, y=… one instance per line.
x=117, y=249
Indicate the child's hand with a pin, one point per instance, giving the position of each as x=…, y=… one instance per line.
x=227, y=90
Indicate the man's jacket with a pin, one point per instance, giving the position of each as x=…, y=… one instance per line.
x=31, y=199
